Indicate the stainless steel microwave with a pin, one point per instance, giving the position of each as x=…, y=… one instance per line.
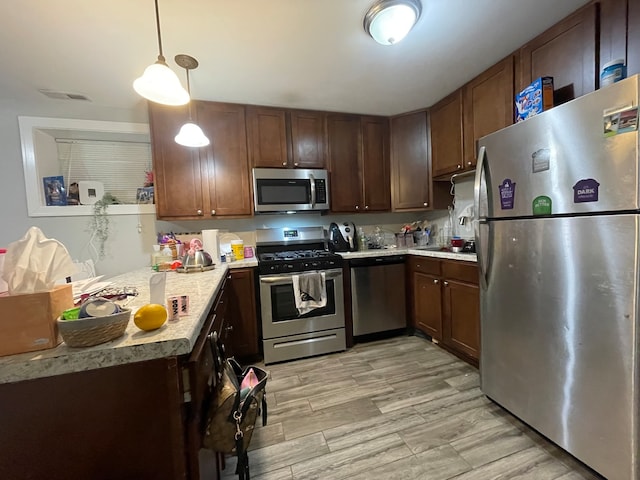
x=290, y=190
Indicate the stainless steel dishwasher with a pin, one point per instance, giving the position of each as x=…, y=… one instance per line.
x=378, y=301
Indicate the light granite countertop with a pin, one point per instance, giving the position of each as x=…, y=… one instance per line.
x=468, y=257
x=173, y=338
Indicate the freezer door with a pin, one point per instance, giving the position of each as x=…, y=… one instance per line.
x=558, y=330
x=563, y=154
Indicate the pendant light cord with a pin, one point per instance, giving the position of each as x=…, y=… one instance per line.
x=160, y=56
x=189, y=92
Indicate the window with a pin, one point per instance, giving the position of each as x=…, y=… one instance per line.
x=89, y=158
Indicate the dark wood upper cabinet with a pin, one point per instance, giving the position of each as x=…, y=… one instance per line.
x=566, y=52
x=178, y=181
x=195, y=183
x=281, y=138
x=488, y=106
x=307, y=139
x=359, y=163
x=375, y=163
x=267, y=136
x=446, y=135
x=613, y=30
x=345, y=162
x=228, y=188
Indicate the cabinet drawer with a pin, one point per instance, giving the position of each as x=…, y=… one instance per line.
x=424, y=265
x=458, y=270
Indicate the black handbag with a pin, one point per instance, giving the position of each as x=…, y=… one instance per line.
x=233, y=410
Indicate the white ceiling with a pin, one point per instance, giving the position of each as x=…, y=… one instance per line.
x=297, y=53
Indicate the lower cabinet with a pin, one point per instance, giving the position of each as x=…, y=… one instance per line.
x=138, y=420
x=445, y=303
x=241, y=328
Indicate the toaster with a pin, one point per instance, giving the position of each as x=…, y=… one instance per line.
x=343, y=237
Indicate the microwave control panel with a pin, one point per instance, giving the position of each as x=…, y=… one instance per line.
x=321, y=191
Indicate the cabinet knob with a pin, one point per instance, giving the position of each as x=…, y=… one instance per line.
x=284, y=164
x=357, y=207
x=366, y=207
x=295, y=164
x=229, y=328
x=436, y=281
x=426, y=204
x=446, y=283
x=199, y=212
x=458, y=167
x=213, y=212
x=469, y=163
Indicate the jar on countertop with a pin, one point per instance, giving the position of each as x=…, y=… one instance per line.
x=613, y=72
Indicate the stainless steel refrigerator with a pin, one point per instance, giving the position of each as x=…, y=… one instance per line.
x=558, y=241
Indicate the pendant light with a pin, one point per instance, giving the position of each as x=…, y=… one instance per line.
x=389, y=21
x=159, y=83
x=190, y=135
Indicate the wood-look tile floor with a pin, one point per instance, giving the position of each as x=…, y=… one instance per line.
x=400, y=408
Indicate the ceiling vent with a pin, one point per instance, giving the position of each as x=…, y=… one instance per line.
x=64, y=95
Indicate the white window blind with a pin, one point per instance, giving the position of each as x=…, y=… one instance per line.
x=120, y=166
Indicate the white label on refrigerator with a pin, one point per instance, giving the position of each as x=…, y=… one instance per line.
x=541, y=160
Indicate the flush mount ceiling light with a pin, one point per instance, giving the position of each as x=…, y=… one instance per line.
x=190, y=135
x=389, y=21
x=159, y=83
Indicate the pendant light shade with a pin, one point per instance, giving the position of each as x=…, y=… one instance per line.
x=159, y=83
x=190, y=135
x=389, y=21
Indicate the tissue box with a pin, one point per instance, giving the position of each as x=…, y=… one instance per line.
x=535, y=99
x=28, y=322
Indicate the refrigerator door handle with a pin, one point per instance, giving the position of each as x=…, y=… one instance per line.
x=482, y=153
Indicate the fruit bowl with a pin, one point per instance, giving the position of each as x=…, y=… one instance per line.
x=89, y=331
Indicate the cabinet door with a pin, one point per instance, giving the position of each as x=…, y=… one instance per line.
x=177, y=175
x=267, y=137
x=242, y=315
x=633, y=38
x=427, y=301
x=343, y=135
x=375, y=163
x=445, y=119
x=307, y=139
x=410, y=175
x=613, y=30
x=227, y=181
x=566, y=52
x=462, y=317
x=488, y=106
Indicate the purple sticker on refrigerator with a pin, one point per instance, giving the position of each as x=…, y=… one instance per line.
x=586, y=190
x=507, y=194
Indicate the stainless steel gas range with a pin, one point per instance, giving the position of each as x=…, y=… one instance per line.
x=282, y=254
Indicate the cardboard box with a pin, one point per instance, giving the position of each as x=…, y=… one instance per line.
x=535, y=99
x=28, y=322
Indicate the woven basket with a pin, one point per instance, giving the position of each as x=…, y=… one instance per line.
x=85, y=332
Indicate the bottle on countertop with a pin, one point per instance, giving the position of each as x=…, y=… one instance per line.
x=362, y=240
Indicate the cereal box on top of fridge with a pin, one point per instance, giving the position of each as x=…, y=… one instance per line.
x=535, y=99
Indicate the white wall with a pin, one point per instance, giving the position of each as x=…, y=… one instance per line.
x=131, y=236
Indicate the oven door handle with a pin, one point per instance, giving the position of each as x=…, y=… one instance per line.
x=287, y=279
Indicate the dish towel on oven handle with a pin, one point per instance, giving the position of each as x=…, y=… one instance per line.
x=309, y=291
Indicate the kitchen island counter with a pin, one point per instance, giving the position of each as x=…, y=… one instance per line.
x=172, y=339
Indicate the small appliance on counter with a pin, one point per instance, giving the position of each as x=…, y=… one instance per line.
x=343, y=237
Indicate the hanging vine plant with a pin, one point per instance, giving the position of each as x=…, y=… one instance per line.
x=99, y=223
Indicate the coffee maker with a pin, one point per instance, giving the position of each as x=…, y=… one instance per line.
x=343, y=237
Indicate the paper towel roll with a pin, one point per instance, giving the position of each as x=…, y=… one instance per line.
x=211, y=244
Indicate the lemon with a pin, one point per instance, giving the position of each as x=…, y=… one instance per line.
x=150, y=316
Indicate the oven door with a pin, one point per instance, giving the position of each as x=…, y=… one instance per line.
x=280, y=317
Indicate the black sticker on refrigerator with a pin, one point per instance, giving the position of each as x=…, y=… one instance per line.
x=542, y=205
x=507, y=194
x=586, y=190
x=619, y=122
x=541, y=160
